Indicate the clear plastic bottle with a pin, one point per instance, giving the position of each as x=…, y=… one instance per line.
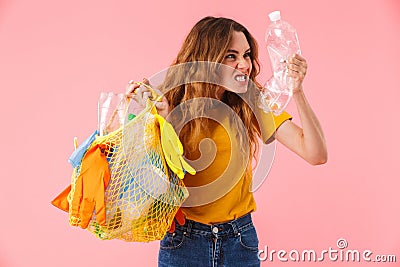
x=282, y=42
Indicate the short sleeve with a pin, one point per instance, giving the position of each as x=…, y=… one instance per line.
x=268, y=123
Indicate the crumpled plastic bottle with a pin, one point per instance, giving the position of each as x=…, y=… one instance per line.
x=281, y=42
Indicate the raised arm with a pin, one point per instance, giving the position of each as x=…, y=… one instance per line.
x=307, y=141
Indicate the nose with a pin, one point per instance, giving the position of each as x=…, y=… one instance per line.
x=243, y=64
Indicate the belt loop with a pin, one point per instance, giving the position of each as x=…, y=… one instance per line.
x=189, y=227
x=234, y=227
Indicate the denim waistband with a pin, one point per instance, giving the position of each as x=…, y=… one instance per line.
x=232, y=227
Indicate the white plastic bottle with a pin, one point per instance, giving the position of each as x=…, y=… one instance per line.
x=282, y=42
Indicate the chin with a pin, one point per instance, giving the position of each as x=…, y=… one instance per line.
x=237, y=88
x=242, y=90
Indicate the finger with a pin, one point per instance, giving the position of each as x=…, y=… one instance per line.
x=130, y=89
x=86, y=212
x=139, y=95
x=298, y=62
x=291, y=73
x=146, y=95
x=77, y=198
x=298, y=57
x=100, y=207
x=146, y=81
x=297, y=68
x=100, y=194
x=294, y=67
x=160, y=105
x=296, y=75
x=132, y=86
x=140, y=91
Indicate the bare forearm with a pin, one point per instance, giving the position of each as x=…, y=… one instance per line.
x=308, y=140
x=312, y=136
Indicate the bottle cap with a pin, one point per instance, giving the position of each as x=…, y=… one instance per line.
x=275, y=15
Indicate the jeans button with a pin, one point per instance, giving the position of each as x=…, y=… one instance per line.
x=215, y=230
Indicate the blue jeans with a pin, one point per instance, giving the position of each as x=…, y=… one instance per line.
x=234, y=243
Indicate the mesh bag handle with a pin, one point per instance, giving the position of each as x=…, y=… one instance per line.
x=120, y=109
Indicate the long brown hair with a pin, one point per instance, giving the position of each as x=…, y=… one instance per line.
x=208, y=41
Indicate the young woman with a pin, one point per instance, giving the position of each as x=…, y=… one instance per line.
x=219, y=125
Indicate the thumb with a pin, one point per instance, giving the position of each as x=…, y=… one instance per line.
x=161, y=105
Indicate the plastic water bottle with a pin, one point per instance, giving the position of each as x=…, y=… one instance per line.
x=282, y=42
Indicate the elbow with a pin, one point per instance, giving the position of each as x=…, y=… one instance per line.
x=319, y=161
x=318, y=158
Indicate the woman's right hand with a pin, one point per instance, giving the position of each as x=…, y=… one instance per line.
x=141, y=93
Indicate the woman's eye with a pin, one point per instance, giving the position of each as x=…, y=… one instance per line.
x=247, y=54
x=230, y=56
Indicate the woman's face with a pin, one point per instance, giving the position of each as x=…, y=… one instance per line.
x=235, y=78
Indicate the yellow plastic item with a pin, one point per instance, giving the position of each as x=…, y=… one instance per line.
x=173, y=149
x=144, y=192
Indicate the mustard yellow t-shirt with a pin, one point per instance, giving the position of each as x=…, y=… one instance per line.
x=220, y=189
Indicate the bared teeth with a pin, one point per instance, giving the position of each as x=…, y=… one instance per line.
x=240, y=78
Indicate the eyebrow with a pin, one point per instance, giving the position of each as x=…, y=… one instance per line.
x=236, y=52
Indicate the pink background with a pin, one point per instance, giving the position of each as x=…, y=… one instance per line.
x=55, y=58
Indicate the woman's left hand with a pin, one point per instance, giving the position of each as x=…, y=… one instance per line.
x=297, y=69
